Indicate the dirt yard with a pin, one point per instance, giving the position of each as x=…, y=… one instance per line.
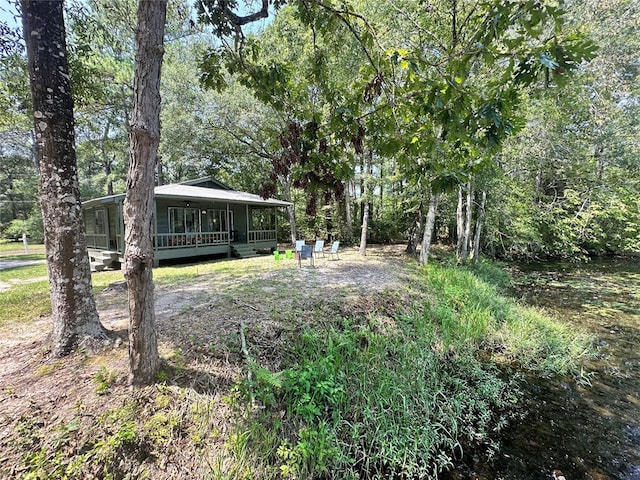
x=198, y=321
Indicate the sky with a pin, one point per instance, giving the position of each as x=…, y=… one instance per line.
x=8, y=13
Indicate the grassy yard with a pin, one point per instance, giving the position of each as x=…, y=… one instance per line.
x=17, y=250
x=359, y=368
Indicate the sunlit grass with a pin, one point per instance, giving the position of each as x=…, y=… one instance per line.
x=24, y=302
x=17, y=249
x=27, y=272
x=470, y=311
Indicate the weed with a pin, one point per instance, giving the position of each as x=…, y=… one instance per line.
x=48, y=368
x=104, y=380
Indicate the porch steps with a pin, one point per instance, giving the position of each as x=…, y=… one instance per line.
x=243, y=250
x=101, y=259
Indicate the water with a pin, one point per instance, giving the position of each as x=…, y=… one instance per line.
x=580, y=430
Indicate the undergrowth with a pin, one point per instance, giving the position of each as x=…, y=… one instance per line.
x=400, y=396
x=399, y=384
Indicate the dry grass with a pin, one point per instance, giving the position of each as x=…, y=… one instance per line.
x=198, y=319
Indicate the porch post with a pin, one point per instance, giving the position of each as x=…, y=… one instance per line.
x=248, y=223
x=156, y=262
x=120, y=231
x=227, y=221
x=106, y=226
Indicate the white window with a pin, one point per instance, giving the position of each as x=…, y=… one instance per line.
x=99, y=222
x=184, y=220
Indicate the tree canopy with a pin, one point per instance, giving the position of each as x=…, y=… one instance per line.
x=512, y=99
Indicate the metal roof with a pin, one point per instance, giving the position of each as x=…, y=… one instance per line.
x=189, y=192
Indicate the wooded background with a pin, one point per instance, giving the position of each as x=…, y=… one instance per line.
x=371, y=108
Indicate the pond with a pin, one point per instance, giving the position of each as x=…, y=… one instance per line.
x=587, y=429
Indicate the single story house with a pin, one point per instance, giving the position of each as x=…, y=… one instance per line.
x=192, y=218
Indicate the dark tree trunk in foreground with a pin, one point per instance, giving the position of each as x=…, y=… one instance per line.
x=75, y=318
x=144, y=361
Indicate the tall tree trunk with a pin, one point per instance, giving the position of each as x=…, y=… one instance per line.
x=459, y=223
x=414, y=233
x=380, y=211
x=291, y=211
x=106, y=161
x=464, y=254
x=429, y=222
x=347, y=206
x=366, y=206
x=479, y=221
x=144, y=361
x=363, y=232
x=362, y=187
x=160, y=167
x=75, y=318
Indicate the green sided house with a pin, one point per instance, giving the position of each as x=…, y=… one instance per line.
x=193, y=218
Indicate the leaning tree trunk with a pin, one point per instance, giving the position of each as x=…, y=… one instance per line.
x=75, y=317
x=428, y=228
x=479, y=221
x=144, y=361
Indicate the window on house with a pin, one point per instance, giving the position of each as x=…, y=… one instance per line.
x=214, y=221
x=99, y=222
x=184, y=220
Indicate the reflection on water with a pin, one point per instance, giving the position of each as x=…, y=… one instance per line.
x=584, y=431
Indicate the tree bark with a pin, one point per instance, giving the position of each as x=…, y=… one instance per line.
x=414, y=233
x=291, y=211
x=479, y=221
x=75, y=318
x=366, y=209
x=347, y=206
x=429, y=222
x=459, y=223
x=363, y=232
x=144, y=361
x=464, y=254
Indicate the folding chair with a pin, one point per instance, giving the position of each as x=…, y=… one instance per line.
x=334, y=250
x=319, y=248
x=305, y=254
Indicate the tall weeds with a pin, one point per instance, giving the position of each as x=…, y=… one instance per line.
x=374, y=397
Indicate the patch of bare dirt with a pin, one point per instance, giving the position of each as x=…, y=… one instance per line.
x=198, y=324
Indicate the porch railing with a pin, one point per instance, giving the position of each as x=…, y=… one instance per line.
x=97, y=240
x=185, y=240
x=261, y=235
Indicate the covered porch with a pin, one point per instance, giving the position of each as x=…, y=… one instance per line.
x=189, y=221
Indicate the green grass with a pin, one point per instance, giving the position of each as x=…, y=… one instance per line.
x=17, y=249
x=398, y=390
x=27, y=272
x=374, y=398
x=24, y=302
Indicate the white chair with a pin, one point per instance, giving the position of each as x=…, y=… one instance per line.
x=319, y=248
x=334, y=250
x=299, y=245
